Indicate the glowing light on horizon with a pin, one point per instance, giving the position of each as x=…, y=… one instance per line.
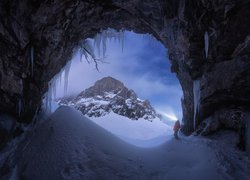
x=170, y=115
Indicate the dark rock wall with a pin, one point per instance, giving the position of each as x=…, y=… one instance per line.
x=247, y=135
x=52, y=29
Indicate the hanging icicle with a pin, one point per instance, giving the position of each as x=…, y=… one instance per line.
x=122, y=38
x=104, y=42
x=97, y=43
x=196, y=95
x=101, y=39
x=66, y=76
x=49, y=98
x=206, y=43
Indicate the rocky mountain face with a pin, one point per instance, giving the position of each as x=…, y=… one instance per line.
x=109, y=94
x=208, y=46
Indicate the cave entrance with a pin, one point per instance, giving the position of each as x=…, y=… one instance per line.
x=121, y=81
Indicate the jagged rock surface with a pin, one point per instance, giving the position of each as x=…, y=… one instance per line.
x=109, y=94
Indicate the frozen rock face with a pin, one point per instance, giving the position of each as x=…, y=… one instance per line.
x=109, y=94
x=230, y=118
x=206, y=40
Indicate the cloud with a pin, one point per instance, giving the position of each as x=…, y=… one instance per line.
x=141, y=66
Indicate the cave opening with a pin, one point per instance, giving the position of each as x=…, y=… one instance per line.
x=208, y=46
x=137, y=62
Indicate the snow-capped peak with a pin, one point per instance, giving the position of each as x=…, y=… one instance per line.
x=109, y=94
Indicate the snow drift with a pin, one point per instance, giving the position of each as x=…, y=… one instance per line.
x=70, y=146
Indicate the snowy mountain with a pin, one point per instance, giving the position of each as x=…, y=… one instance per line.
x=110, y=95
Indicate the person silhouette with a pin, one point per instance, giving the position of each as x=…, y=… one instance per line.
x=176, y=128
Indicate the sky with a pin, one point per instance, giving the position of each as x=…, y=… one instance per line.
x=141, y=63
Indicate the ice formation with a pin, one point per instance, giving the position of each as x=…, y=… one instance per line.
x=196, y=94
x=66, y=76
x=53, y=85
x=101, y=39
x=97, y=43
x=206, y=43
x=86, y=49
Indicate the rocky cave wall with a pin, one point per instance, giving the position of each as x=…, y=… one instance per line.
x=42, y=35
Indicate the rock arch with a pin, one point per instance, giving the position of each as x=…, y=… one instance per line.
x=41, y=35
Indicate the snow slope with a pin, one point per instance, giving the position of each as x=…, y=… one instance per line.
x=139, y=132
x=70, y=146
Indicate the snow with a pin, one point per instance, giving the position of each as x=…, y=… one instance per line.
x=196, y=94
x=137, y=132
x=84, y=100
x=87, y=101
x=110, y=94
x=206, y=43
x=139, y=100
x=128, y=103
x=70, y=146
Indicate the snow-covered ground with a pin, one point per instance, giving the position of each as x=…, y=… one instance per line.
x=139, y=132
x=70, y=146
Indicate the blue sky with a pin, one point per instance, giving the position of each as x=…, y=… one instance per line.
x=142, y=65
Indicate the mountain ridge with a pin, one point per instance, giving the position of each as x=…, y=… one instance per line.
x=109, y=94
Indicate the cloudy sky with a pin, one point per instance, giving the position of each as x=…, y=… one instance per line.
x=141, y=64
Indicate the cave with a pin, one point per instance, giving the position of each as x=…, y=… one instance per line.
x=208, y=44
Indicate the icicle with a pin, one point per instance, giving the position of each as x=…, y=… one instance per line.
x=60, y=77
x=182, y=97
x=101, y=40
x=97, y=43
x=66, y=76
x=86, y=49
x=32, y=59
x=54, y=85
x=206, y=43
x=49, y=98
x=196, y=95
x=89, y=48
x=80, y=57
x=104, y=41
x=83, y=52
x=122, y=38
